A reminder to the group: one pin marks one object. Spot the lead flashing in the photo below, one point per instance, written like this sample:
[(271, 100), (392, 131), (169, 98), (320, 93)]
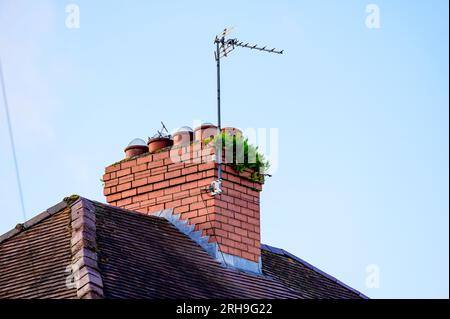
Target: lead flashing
[(211, 248)]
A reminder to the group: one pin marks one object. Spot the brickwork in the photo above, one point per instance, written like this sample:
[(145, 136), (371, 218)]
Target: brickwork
[(179, 178)]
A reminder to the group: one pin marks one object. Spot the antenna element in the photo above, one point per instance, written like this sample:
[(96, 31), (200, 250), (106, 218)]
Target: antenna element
[(224, 47)]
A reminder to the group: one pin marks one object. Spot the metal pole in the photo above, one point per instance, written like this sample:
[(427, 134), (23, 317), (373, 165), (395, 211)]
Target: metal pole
[(227, 46), (219, 126)]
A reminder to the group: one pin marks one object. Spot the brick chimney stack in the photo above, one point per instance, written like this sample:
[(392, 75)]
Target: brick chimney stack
[(178, 178)]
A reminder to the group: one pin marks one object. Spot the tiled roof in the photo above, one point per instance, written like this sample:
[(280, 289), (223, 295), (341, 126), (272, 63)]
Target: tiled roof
[(304, 277), (34, 257), (140, 256), (147, 257)]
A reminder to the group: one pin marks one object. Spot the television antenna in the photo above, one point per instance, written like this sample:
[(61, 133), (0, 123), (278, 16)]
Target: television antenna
[(224, 46)]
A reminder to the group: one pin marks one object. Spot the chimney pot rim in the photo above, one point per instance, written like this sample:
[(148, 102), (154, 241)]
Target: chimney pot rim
[(144, 147), (136, 143), (158, 138)]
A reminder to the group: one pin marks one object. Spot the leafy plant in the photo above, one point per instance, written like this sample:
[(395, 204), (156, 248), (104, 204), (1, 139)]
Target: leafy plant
[(71, 199), (241, 155)]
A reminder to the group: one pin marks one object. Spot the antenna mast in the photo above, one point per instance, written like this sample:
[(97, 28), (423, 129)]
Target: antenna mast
[(223, 47)]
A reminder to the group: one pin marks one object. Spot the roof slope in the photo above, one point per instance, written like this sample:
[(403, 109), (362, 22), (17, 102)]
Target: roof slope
[(140, 256), (303, 277), (33, 262), (147, 257)]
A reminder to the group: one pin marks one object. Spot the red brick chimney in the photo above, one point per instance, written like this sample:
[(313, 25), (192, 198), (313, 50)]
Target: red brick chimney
[(178, 178)]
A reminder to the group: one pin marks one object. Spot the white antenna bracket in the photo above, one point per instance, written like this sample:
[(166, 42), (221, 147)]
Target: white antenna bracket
[(215, 187)]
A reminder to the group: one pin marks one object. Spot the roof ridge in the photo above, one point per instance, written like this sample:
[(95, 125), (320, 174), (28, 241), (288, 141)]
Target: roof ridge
[(35, 220), (88, 279), (280, 251), (65, 203)]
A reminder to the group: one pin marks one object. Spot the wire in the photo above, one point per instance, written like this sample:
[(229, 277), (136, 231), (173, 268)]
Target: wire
[(13, 147), (19, 184)]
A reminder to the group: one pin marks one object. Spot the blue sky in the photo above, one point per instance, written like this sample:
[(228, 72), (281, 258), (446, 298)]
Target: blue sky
[(362, 117)]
